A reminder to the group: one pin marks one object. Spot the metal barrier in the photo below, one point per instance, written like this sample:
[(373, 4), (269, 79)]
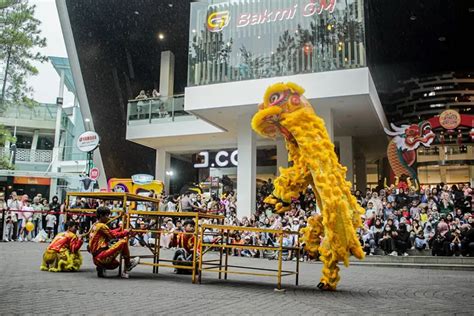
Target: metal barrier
[(224, 235)]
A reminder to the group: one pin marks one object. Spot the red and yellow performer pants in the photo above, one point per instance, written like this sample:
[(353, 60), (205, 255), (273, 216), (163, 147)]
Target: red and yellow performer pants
[(107, 258)]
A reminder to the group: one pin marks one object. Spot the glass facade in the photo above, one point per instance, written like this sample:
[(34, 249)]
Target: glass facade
[(250, 39)]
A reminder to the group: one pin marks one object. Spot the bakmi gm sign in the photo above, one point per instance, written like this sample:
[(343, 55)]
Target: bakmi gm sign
[(218, 20)]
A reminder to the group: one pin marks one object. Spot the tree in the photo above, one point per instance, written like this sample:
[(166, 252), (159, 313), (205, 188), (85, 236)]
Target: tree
[(20, 36), (5, 136)]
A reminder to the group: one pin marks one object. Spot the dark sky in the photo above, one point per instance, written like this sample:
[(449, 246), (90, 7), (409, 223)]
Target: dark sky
[(412, 38)]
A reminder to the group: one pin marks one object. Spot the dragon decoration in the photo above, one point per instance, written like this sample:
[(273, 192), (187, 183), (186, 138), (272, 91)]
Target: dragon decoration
[(332, 234), (401, 150)]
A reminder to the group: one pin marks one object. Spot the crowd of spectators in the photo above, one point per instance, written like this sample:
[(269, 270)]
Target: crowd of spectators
[(439, 219), (18, 210), (396, 220)]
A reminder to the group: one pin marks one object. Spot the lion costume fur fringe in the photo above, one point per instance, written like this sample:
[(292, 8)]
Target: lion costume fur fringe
[(332, 234)]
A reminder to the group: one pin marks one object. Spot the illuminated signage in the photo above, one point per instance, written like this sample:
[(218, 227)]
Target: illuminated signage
[(142, 178), (222, 159), (450, 119), (217, 21), (88, 141)]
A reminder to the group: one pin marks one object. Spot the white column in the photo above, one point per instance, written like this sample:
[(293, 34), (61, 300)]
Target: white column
[(163, 163), (282, 155), (57, 134), (167, 74), (346, 155), (34, 144), (361, 173), (247, 167), (327, 114)]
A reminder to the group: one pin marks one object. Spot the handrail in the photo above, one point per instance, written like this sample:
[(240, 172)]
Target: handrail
[(175, 96)]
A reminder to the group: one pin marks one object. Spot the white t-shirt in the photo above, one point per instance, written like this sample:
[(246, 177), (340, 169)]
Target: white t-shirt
[(50, 220), (27, 212)]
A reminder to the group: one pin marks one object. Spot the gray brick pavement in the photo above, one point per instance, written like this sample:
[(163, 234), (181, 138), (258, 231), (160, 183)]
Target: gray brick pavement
[(362, 290)]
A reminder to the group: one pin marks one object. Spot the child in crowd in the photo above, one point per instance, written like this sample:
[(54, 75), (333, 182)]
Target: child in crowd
[(50, 223)]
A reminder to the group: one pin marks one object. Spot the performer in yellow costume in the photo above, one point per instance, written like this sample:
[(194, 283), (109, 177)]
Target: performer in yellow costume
[(333, 233), (63, 252)]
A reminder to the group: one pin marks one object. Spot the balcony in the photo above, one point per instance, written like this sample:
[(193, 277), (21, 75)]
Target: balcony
[(246, 40), (28, 155), (158, 110), (42, 112)]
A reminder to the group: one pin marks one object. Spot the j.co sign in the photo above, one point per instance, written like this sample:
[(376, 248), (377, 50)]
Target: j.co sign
[(221, 159), (88, 141)]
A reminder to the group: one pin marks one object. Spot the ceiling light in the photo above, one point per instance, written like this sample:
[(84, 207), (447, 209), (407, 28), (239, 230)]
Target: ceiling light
[(136, 13), (471, 10), (170, 5), (432, 94), (194, 31), (259, 37), (441, 38), (437, 105), (413, 17), (87, 120), (161, 36)]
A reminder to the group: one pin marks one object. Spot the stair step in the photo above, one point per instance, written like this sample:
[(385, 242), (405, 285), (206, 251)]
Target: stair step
[(421, 259), (461, 267)]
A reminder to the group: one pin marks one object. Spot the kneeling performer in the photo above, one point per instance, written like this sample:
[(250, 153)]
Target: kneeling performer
[(104, 255), (63, 252), (184, 243)]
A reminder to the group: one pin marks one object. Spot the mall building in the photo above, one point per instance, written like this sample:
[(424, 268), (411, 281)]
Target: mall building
[(44, 158), (203, 67)]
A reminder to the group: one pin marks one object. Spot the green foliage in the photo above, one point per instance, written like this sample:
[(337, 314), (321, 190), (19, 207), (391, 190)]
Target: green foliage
[(5, 135), (20, 37)]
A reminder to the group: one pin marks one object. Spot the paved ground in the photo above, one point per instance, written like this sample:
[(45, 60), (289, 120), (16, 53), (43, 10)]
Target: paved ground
[(363, 290)]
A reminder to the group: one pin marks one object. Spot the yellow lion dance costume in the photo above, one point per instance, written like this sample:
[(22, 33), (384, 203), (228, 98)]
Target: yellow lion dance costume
[(333, 233), (63, 254)]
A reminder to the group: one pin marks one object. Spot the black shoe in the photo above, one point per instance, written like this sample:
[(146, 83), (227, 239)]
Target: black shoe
[(100, 272)]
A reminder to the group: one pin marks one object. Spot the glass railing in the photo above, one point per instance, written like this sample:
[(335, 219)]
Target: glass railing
[(237, 40), (42, 112), (158, 110)]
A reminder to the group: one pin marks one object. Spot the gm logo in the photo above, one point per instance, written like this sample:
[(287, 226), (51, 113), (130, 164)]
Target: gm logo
[(217, 21)]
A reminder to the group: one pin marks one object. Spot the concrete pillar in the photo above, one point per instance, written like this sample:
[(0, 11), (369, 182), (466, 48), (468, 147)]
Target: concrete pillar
[(247, 167), (327, 114), (443, 173), (346, 153), (361, 173), (57, 134), (167, 74), (282, 155), (34, 145), (163, 163)]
